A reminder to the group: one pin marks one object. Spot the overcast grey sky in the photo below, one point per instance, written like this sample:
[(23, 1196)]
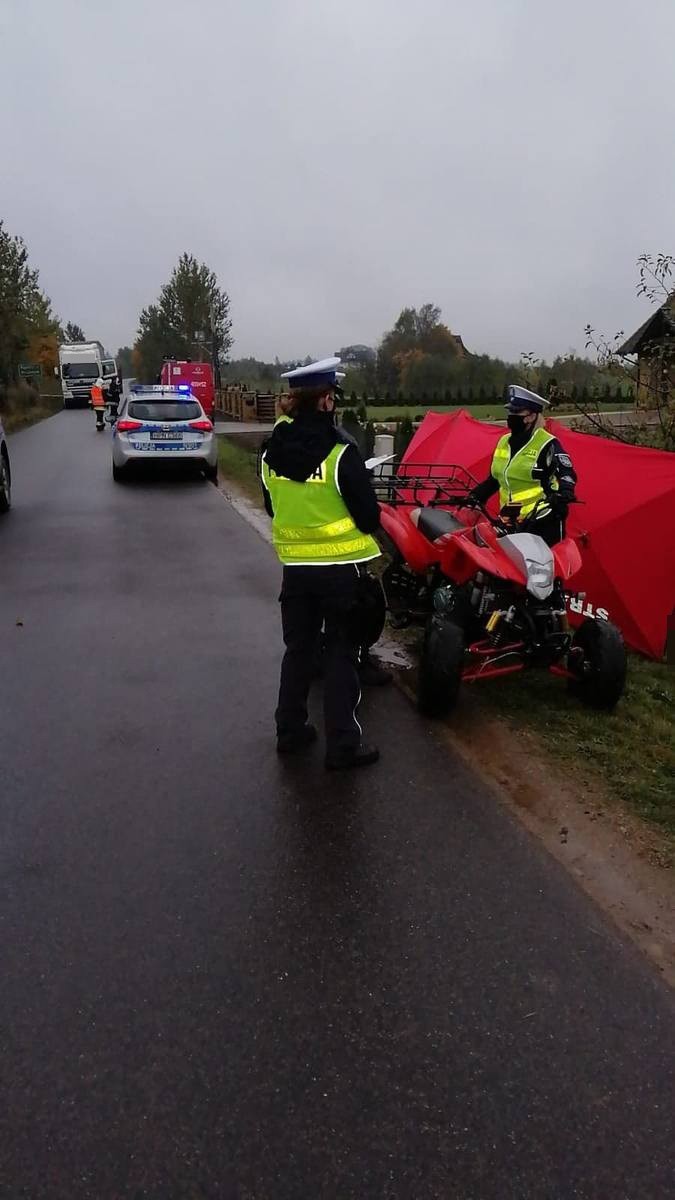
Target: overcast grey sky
[(335, 160)]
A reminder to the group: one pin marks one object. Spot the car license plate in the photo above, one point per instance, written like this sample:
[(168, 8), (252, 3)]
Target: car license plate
[(165, 435)]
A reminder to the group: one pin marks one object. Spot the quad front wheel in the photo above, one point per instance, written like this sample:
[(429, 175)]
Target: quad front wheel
[(440, 670), (5, 485), (372, 609), (597, 661)]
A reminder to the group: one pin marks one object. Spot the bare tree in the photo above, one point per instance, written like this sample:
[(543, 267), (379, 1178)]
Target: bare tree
[(646, 360)]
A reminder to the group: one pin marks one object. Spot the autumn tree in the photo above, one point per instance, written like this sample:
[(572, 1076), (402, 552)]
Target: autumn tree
[(190, 319), (43, 348), (417, 335), (25, 312), (358, 356)]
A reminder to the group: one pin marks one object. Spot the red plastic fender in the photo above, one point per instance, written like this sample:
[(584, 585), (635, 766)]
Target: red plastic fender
[(567, 558), (463, 557), (418, 552)]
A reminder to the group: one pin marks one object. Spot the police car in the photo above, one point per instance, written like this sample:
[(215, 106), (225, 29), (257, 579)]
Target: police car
[(163, 424), (5, 475)]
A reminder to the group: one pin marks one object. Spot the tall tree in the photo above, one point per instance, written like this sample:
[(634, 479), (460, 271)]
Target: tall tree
[(24, 310), (74, 333), (190, 319), (124, 360)]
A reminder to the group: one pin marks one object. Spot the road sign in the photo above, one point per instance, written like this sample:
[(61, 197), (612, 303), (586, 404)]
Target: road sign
[(26, 370)]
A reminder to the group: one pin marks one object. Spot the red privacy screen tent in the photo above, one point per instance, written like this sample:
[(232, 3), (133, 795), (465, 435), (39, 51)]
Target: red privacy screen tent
[(625, 526)]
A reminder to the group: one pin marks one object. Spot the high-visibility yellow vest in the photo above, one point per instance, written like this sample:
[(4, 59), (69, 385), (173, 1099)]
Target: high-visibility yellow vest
[(517, 483), (312, 525)]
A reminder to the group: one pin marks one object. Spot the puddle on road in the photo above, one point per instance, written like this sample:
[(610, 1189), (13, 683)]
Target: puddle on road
[(392, 653)]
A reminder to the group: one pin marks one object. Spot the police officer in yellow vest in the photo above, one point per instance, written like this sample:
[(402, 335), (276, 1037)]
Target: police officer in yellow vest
[(534, 476), (371, 673), (324, 514)]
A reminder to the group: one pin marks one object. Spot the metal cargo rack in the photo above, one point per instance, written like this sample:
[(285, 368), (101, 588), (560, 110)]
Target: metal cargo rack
[(419, 484)]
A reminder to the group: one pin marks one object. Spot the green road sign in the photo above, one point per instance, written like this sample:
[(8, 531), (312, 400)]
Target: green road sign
[(26, 370)]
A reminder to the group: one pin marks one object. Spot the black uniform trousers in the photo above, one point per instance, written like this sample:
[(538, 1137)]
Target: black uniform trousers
[(551, 528), (312, 597)]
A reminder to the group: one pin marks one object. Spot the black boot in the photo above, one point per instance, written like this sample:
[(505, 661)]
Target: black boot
[(293, 743), (360, 756)]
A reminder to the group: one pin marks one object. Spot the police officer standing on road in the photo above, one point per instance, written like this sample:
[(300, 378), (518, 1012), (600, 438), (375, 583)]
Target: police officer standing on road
[(530, 470), (114, 392), (324, 514), (371, 673)]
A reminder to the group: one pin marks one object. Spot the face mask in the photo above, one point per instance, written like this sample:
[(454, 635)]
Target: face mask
[(516, 424)]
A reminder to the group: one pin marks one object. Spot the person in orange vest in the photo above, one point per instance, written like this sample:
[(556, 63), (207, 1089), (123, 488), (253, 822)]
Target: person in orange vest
[(98, 402)]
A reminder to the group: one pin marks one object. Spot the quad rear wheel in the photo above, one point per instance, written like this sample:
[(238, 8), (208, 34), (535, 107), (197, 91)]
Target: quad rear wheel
[(440, 669), (598, 662)]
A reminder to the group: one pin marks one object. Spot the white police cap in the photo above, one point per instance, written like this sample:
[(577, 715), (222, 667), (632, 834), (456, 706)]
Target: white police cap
[(316, 374), (518, 398)]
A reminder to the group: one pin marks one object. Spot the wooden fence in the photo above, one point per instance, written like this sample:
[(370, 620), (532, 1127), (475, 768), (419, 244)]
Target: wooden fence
[(239, 404)]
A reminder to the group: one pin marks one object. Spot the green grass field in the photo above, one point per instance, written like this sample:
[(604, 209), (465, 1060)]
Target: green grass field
[(483, 412)]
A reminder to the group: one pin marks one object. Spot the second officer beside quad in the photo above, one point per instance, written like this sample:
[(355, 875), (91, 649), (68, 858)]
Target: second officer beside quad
[(534, 476)]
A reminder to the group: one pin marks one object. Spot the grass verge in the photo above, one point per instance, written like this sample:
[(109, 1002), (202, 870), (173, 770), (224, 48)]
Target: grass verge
[(631, 751), (16, 419), (238, 464)]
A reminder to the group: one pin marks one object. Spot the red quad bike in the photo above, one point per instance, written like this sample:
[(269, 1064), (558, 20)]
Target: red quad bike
[(492, 601)]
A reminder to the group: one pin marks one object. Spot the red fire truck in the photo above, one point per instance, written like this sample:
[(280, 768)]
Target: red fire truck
[(198, 374)]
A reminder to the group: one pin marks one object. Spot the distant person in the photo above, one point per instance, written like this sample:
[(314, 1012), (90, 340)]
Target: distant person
[(114, 395), (98, 402), (534, 476)]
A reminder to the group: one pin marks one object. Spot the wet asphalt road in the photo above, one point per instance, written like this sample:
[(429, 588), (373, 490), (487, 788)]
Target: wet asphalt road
[(225, 975)]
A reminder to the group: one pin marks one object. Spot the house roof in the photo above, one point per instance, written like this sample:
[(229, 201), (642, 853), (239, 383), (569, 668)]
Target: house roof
[(650, 329)]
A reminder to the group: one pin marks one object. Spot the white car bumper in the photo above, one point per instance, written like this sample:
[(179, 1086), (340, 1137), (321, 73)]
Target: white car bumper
[(193, 448)]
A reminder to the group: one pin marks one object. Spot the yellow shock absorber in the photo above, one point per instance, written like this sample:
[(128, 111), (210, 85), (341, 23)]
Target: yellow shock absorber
[(493, 621)]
